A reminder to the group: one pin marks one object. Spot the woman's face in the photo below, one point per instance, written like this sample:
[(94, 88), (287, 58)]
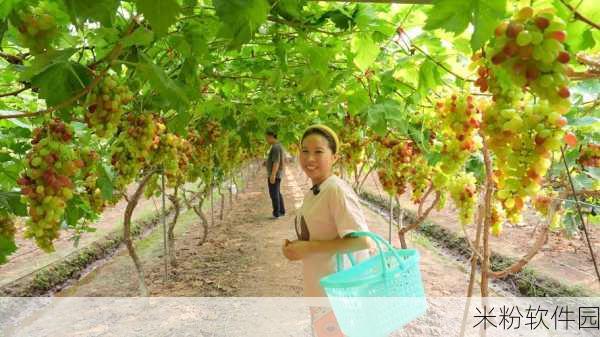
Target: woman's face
[(316, 158)]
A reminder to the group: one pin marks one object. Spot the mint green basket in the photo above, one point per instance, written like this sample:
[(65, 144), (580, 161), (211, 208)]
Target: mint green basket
[(379, 295)]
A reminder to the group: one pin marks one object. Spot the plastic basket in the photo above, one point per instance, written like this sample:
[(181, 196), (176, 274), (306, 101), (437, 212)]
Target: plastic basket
[(379, 295)]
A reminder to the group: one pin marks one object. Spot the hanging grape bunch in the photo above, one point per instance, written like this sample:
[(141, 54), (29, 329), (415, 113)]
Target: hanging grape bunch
[(530, 48), (542, 204), (407, 166), (92, 194), (131, 151), (105, 106), (352, 149), (462, 189), (590, 155), (172, 155), (37, 28), (46, 183), (523, 141), (7, 226), (497, 219), (459, 120)]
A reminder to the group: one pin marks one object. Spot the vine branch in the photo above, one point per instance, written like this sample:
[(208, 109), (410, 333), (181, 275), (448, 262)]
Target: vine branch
[(579, 16)]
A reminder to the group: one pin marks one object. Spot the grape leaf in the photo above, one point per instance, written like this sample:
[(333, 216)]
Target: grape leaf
[(61, 81), (6, 6), (455, 16), (178, 123), (161, 82), (366, 51), (241, 18), (429, 77), (140, 37), (11, 202), (7, 247), (98, 10), (290, 8), (105, 181), (487, 14), (160, 13), (451, 15)]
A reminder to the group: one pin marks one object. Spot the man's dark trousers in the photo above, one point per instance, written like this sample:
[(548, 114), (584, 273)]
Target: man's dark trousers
[(276, 197)]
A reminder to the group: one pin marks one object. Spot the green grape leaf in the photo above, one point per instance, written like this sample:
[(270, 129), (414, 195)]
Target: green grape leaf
[(290, 8), (487, 14), (73, 212), (6, 6), (241, 18), (7, 247), (11, 202), (366, 51), (429, 77), (105, 180), (160, 13), (162, 82), (451, 15), (140, 37), (61, 81), (455, 16), (179, 122), (98, 10)]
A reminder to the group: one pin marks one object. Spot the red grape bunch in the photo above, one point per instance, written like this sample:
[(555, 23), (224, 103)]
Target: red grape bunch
[(530, 49), (46, 183)]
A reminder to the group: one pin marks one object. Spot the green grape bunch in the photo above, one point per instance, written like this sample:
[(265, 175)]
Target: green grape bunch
[(105, 106), (37, 27), (530, 49), (132, 149), (47, 181), (523, 140)]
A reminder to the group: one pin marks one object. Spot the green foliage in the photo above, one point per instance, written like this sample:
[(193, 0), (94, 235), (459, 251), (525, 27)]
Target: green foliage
[(160, 13)]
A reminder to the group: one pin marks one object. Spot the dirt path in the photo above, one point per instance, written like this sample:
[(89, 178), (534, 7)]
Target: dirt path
[(242, 256)]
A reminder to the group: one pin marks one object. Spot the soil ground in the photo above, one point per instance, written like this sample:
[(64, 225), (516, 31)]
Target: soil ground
[(242, 255)]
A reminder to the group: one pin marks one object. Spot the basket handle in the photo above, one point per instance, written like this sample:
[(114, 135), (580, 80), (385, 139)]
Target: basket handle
[(379, 240)]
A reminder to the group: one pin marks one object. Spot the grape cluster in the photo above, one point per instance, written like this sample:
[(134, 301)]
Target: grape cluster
[(530, 49), (522, 141), (352, 149), (590, 155), (46, 183), (172, 155), (200, 156), (542, 204), (497, 219), (7, 226), (105, 106), (131, 151), (407, 166), (462, 189), (459, 119), (92, 194), (37, 28)]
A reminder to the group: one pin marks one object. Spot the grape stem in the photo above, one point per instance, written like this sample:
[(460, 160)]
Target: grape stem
[(579, 16), (487, 221), (16, 92), (578, 207)]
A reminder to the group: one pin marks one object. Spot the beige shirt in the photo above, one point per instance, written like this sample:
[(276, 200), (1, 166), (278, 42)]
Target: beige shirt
[(333, 213)]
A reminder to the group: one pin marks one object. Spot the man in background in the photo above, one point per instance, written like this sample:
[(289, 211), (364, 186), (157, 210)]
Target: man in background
[(274, 166)]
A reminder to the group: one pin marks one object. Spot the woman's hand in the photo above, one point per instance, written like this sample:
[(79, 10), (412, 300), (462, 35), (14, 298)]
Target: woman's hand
[(296, 250)]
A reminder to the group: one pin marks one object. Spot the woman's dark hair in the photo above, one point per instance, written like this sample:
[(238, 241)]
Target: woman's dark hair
[(271, 133), (326, 135)]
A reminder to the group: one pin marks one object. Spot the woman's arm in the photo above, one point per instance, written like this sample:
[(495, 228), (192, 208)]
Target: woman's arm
[(298, 250)]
